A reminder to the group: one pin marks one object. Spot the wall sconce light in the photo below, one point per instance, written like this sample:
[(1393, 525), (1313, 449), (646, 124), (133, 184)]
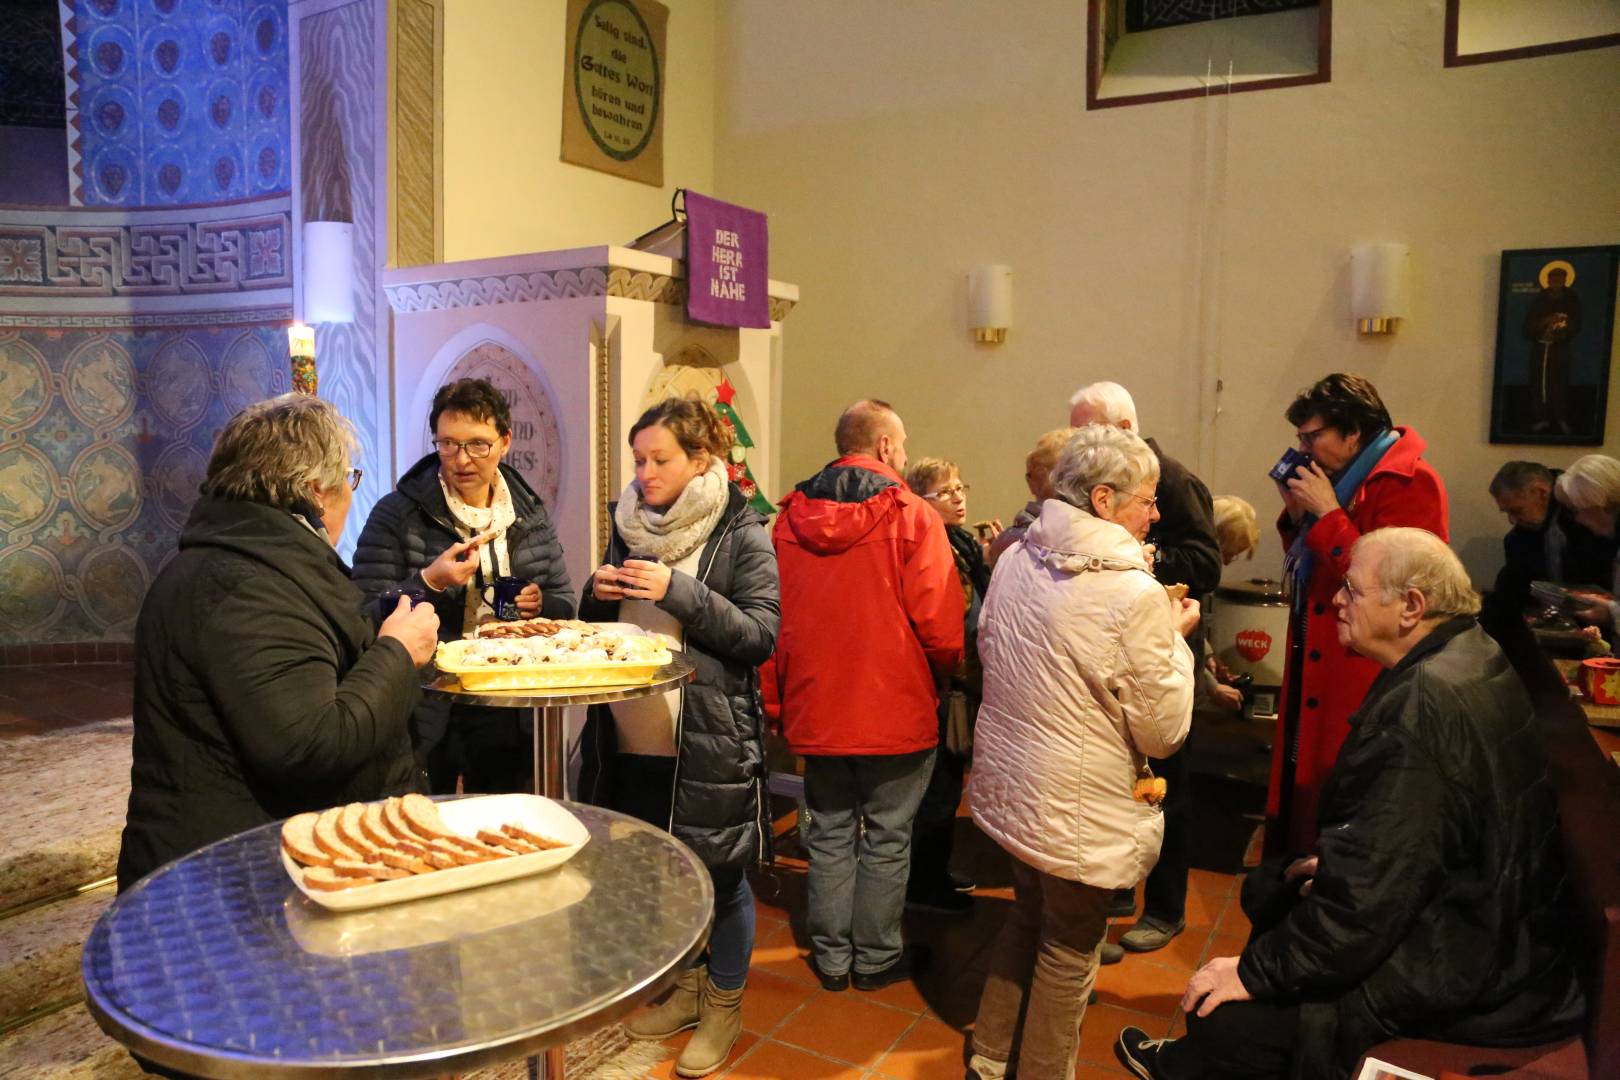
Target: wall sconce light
[(1379, 280), (328, 293), (301, 352), (328, 272), (990, 303)]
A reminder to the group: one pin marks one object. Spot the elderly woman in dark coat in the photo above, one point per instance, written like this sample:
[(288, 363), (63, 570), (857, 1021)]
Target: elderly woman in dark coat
[(423, 537), (690, 561), (260, 689)]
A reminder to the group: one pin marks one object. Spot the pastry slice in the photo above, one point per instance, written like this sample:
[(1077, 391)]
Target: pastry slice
[(326, 836), (400, 860), (399, 825), (350, 832), (298, 840), (510, 843), (543, 843), (327, 879), (373, 828), (422, 816)]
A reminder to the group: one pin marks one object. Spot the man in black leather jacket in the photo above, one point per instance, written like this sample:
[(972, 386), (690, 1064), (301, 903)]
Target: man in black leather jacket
[(1432, 907)]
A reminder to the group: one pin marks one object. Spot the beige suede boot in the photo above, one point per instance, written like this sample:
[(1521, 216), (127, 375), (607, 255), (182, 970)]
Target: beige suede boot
[(675, 1013), (719, 1025)]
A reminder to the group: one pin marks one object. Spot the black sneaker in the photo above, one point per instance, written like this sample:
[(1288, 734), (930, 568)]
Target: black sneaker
[(959, 883), (913, 959), (1138, 1053), (940, 901), (834, 983)]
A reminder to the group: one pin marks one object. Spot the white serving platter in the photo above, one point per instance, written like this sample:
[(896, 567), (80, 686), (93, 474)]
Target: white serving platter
[(466, 816)]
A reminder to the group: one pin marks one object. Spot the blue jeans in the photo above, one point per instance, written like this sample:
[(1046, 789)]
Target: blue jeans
[(859, 841), (731, 943), (646, 785)]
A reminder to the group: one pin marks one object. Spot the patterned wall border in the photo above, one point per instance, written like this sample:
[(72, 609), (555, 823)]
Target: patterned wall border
[(174, 320), (553, 285), (60, 255)]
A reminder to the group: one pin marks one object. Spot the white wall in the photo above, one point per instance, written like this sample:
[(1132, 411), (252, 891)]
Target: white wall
[(506, 191), (1169, 246)]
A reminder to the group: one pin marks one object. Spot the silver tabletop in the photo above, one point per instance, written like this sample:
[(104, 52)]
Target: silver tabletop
[(546, 709), (216, 965)]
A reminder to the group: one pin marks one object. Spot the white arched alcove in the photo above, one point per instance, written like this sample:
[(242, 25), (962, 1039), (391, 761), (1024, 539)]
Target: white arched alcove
[(413, 435)]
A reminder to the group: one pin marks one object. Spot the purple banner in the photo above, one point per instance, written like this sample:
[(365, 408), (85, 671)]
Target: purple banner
[(726, 250)]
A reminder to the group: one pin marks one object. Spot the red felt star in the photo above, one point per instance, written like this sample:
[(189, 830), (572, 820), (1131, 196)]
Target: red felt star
[(725, 392)]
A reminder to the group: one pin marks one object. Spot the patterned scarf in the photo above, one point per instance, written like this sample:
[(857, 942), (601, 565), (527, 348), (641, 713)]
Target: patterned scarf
[(494, 560), (671, 535)]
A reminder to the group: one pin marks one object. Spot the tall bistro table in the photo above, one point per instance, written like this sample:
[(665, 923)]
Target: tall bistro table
[(215, 965), (546, 709)]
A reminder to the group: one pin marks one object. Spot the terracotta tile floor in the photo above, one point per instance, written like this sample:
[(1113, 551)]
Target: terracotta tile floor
[(916, 1030), (794, 1030)]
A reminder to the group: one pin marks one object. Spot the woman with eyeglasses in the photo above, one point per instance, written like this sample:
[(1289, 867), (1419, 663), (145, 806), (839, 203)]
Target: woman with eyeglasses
[(931, 886), (1087, 675), (261, 690), (424, 537), (1364, 473)]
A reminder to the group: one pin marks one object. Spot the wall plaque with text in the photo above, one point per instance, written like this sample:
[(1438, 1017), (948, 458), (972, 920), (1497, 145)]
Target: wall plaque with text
[(613, 88)]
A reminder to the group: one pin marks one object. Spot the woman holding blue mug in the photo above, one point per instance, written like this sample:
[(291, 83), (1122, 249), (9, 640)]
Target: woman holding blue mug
[(690, 561), (459, 527)]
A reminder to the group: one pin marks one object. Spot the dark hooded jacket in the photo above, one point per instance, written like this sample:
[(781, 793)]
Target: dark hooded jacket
[(411, 526), (261, 690), (872, 613), (728, 613), (1437, 904)]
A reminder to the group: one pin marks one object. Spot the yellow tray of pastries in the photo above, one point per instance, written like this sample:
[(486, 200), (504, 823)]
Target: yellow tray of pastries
[(541, 654)]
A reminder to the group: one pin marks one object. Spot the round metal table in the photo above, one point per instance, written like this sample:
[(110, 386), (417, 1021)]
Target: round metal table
[(216, 965), (546, 710)]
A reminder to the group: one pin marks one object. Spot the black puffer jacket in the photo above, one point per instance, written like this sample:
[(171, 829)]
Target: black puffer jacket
[(1436, 909), (411, 526), (729, 614), (261, 690)]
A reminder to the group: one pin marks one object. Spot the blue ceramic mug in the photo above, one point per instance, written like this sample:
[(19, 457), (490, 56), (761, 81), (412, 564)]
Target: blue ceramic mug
[(388, 599), (502, 596)]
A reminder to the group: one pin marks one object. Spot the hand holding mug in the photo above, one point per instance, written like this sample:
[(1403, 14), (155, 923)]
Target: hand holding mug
[(1313, 490), (415, 626), (605, 583), (644, 579), (528, 601)]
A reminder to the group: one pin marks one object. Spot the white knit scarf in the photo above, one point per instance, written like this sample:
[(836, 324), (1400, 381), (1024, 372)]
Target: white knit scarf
[(671, 535)]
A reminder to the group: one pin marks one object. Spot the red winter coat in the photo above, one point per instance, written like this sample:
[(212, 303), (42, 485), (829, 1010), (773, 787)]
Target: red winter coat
[(871, 609), (1401, 490)]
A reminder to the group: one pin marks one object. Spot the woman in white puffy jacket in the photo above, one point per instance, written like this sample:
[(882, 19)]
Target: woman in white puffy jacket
[(1086, 676)]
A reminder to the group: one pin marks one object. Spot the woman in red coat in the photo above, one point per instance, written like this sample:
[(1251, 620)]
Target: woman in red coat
[(1365, 473)]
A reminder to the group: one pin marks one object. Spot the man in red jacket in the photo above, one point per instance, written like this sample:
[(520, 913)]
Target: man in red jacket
[(871, 617)]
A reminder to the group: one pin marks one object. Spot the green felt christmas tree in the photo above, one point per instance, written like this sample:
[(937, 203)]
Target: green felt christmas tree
[(737, 467)]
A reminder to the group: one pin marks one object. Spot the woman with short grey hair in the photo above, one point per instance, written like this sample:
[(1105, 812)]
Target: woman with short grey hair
[(1591, 489), (1086, 677), (261, 690), (1099, 455)]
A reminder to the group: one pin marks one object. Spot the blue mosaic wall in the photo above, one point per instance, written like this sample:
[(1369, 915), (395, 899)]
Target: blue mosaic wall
[(177, 102), (104, 438)]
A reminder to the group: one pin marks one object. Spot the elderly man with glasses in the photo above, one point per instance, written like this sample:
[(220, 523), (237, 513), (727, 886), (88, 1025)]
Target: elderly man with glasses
[(460, 519), (1184, 550), (1431, 907), (1363, 473)]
